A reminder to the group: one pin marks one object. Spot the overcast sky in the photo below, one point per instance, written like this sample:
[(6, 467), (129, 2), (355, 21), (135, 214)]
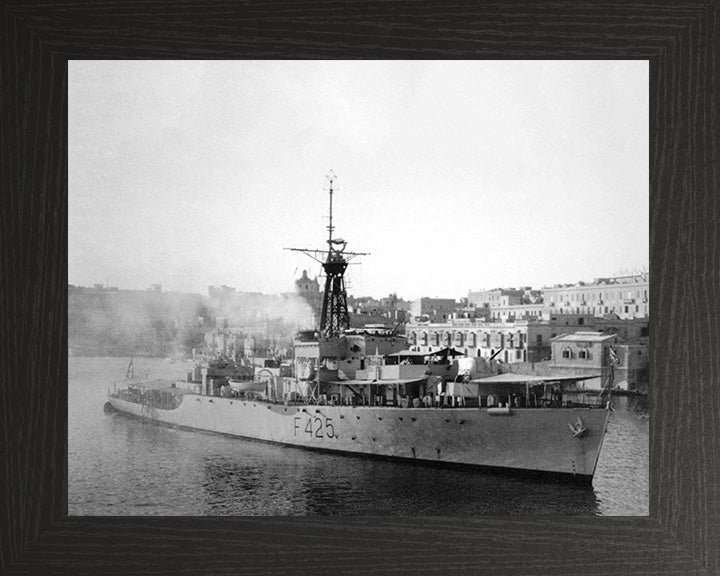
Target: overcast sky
[(455, 176)]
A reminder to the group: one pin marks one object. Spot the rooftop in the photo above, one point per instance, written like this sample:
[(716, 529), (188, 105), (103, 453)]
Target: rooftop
[(584, 337)]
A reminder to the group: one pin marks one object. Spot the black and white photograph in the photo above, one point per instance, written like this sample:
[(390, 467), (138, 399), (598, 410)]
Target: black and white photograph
[(358, 288)]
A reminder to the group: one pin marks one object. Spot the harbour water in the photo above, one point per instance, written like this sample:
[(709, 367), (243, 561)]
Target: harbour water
[(119, 466)]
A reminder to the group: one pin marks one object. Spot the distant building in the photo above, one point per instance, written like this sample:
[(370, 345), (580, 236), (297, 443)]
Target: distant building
[(391, 308), (97, 288), (497, 297), (510, 343), (518, 312), (304, 285), (221, 292), (309, 290), (590, 353), (508, 304), (582, 350), (433, 309), (625, 296), (520, 341), (584, 353)]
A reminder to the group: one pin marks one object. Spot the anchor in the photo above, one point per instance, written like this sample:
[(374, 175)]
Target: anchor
[(578, 429)]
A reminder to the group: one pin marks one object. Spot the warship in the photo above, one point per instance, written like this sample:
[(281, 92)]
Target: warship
[(362, 392)]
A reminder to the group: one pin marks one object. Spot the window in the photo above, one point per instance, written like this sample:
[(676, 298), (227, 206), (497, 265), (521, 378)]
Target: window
[(566, 353), (583, 354)]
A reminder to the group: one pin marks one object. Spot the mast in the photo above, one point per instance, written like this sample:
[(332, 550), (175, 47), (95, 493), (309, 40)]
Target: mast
[(330, 177), (335, 317)]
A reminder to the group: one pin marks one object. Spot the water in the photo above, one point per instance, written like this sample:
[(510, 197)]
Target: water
[(120, 466)]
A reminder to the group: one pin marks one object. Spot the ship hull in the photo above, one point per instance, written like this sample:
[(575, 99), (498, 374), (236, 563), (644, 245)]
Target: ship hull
[(537, 440)]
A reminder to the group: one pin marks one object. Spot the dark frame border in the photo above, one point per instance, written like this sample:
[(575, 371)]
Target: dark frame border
[(680, 40)]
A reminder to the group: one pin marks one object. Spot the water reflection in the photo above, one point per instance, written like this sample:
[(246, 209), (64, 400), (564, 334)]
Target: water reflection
[(291, 481)]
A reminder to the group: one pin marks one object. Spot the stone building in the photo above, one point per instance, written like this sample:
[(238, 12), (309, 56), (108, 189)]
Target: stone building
[(625, 296), (520, 341), (390, 308), (506, 342), (309, 290), (497, 297), (508, 304), (433, 309), (590, 353)]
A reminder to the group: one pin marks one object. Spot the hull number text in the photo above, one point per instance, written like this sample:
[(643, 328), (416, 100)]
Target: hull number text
[(313, 427)]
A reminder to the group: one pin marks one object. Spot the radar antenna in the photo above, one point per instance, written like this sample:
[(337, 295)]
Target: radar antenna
[(335, 316)]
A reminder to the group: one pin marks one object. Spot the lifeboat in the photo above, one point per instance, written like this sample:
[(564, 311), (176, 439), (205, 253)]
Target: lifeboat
[(246, 385)]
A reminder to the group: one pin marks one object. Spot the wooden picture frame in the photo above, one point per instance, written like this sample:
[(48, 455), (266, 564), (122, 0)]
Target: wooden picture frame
[(681, 42)]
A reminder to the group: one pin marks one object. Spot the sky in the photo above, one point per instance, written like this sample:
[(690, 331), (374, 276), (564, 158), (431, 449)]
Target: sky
[(453, 175)]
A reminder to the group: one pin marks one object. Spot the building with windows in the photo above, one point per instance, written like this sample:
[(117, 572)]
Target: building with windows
[(433, 309), (625, 296), (304, 285), (391, 308), (618, 363), (514, 313), (508, 304), (497, 297), (526, 341), (582, 350), (520, 341)]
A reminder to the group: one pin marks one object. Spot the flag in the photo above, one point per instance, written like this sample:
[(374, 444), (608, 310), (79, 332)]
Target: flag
[(129, 373), (613, 357)]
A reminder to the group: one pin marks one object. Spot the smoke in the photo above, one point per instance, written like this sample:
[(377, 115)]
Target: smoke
[(252, 311), (111, 322), (127, 322)]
